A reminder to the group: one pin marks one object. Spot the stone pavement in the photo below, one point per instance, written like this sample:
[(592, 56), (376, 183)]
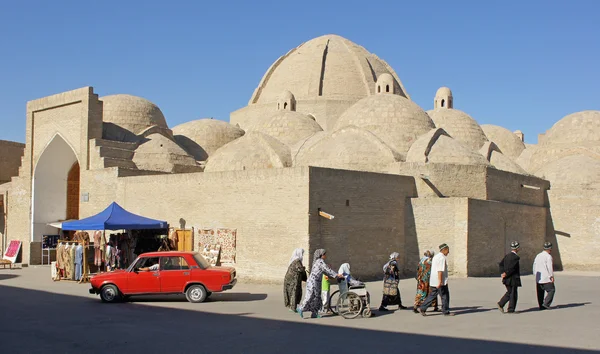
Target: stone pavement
[(38, 315)]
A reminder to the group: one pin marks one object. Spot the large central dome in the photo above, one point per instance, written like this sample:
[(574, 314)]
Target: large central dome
[(330, 67)]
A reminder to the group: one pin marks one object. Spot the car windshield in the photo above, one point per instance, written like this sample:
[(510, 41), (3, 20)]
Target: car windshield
[(202, 262)]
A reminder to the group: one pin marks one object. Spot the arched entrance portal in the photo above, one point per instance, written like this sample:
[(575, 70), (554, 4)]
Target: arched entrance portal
[(55, 188)]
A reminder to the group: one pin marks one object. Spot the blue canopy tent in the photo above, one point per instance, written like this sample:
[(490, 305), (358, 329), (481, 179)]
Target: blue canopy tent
[(114, 217)]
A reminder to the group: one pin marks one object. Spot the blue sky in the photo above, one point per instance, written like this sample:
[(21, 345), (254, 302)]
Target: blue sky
[(519, 64)]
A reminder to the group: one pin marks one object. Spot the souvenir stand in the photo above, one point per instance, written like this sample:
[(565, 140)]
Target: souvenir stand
[(67, 270), (114, 218)]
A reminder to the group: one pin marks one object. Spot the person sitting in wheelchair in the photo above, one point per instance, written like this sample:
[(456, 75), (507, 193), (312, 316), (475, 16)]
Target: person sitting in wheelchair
[(347, 281)]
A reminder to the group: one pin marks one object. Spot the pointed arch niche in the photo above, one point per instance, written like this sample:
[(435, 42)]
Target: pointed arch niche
[(55, 187)]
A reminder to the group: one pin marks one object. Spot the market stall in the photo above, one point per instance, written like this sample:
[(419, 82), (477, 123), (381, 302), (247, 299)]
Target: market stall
[(139, 234)]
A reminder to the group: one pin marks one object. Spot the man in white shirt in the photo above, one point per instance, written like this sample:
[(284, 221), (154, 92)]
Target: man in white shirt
[(438, 282), (544, 277)]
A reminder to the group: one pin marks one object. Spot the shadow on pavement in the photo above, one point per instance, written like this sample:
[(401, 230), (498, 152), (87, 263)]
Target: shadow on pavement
[(557, 307), (223, 297), (41, 322), (7, 276)]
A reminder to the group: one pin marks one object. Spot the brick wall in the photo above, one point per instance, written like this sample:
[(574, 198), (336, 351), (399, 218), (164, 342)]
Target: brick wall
[(369, 217), (494, 225)]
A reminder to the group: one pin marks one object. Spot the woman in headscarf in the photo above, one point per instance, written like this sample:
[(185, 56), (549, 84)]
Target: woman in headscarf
[(347, 279), (423, 274), (292, 284), (391, 278), (312, 301)]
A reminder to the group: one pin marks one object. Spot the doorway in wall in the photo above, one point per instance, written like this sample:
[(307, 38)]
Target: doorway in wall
[(55, 191)]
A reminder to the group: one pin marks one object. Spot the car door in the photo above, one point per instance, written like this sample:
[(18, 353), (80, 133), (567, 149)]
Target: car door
[(174, 274), (143, 281)]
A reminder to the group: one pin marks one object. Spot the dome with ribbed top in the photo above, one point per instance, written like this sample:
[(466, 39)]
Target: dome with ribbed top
[(330, 67), (132, 113), (289, 127), (394, 119), (252, 151), (576, 128), (201, 138), (506, 140), (460, 126)]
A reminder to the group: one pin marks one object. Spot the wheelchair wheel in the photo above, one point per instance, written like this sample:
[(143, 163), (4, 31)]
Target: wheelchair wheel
[(349, 305), (366, 313), (333, 300)]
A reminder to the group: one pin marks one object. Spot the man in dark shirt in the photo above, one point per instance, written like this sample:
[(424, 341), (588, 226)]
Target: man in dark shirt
[(511, 278)]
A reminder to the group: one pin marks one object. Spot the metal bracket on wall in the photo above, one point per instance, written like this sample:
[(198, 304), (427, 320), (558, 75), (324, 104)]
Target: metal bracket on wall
[(325, 215)]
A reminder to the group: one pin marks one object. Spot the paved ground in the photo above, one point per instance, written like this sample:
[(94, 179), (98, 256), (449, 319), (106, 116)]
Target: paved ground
[(38, 315)]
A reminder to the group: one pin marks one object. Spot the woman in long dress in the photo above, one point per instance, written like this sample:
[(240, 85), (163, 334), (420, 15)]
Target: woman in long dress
[(423, 275), (292, 284), (391, 292), (312, 301)]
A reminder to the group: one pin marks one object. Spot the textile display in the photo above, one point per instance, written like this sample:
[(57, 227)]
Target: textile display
[(224, 237), (205, 237), (227, 238), (211, 253), (12, 251)]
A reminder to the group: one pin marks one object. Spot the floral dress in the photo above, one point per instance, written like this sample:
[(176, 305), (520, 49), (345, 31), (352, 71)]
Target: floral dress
[(292, 284), (423, 275), (312, 301)]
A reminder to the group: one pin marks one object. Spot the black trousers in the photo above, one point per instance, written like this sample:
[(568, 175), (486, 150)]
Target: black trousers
[(391, 300), (548, 288), (511, 296), (444, 292)]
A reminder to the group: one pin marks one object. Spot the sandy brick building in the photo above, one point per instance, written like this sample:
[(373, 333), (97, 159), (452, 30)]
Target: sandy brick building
[(330, 128)]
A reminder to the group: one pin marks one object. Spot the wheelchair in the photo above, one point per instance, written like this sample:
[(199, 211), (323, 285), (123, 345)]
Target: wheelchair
[(353, 302)]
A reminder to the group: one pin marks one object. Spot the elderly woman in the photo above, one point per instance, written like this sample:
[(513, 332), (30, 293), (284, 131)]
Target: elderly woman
[(292, 284), (423, 274), (391, 293), (312, 301)]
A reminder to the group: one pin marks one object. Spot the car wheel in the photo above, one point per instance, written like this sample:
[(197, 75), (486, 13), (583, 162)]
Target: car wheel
[(196, 293), (109, 293)]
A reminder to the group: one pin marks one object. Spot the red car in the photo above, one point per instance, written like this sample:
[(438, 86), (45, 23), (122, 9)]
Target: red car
[(161, 273)]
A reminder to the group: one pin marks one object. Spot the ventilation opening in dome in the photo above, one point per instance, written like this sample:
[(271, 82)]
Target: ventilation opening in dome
[(285, 105), (443, 103), (387, 88)]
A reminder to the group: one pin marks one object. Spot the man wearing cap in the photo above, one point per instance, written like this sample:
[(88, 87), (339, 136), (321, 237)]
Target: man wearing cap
[(511, 278), (438, 282), (544, 277)]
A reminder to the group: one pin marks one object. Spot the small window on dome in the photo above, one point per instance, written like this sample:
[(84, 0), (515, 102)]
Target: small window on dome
[(285, 105), (378, 89), (278, 107), (387, 88), (443, 101)]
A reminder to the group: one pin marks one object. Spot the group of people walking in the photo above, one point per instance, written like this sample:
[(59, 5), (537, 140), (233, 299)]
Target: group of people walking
[(431, 276)]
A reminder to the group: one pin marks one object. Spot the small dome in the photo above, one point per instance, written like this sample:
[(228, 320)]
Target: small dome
[(252, 151), (436, 146), (132, 113), (443, 91), (507, 141), (576, 128), (460, 126), (573, 170), (289, 127), (201, 138), (159, 153), (327, 67), (500, 161), (348, 148), (394, 119)]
